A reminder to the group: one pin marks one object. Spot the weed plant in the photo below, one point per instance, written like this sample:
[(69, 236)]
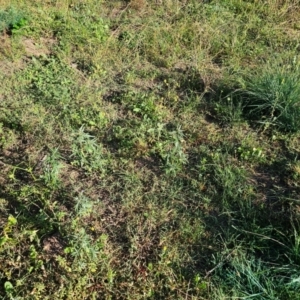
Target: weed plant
[(12, 19)]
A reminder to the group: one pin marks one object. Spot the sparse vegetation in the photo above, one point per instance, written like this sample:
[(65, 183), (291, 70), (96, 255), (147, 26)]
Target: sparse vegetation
[(149, 150)]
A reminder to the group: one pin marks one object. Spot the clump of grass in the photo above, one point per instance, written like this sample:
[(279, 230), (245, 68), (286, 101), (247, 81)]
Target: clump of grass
[(272, 96), (12, 19), (245, 277)]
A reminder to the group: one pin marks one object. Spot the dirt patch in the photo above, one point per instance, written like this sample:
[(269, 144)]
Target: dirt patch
[(54, 244), (38, 48), (5, 45), (144, 84), (7, 68), (149, 163), (32, 48), (137, 4)]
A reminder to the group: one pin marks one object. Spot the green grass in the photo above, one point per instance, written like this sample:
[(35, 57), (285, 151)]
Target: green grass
[(272, 97), (149, 150), (11, 20)]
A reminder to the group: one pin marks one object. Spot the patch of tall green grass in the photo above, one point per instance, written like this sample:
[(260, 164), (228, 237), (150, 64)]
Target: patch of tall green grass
[(271, 96)]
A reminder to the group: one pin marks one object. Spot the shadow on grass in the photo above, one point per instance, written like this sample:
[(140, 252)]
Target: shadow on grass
[(242, 213)]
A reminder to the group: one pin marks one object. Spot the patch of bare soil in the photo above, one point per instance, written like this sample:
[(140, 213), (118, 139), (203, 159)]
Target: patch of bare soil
[(275, 189), (144, 84), (5, 44), (137, 4), (149, 163), (38, 48), (7, 68), (32, 49), (54, 244)]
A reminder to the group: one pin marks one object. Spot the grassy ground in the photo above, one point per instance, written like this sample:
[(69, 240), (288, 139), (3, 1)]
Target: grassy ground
[(149, 149)]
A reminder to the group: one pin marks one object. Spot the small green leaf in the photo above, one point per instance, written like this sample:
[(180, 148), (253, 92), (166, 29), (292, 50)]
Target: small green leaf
[(3, 240), (12, 220), (8, 287)]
